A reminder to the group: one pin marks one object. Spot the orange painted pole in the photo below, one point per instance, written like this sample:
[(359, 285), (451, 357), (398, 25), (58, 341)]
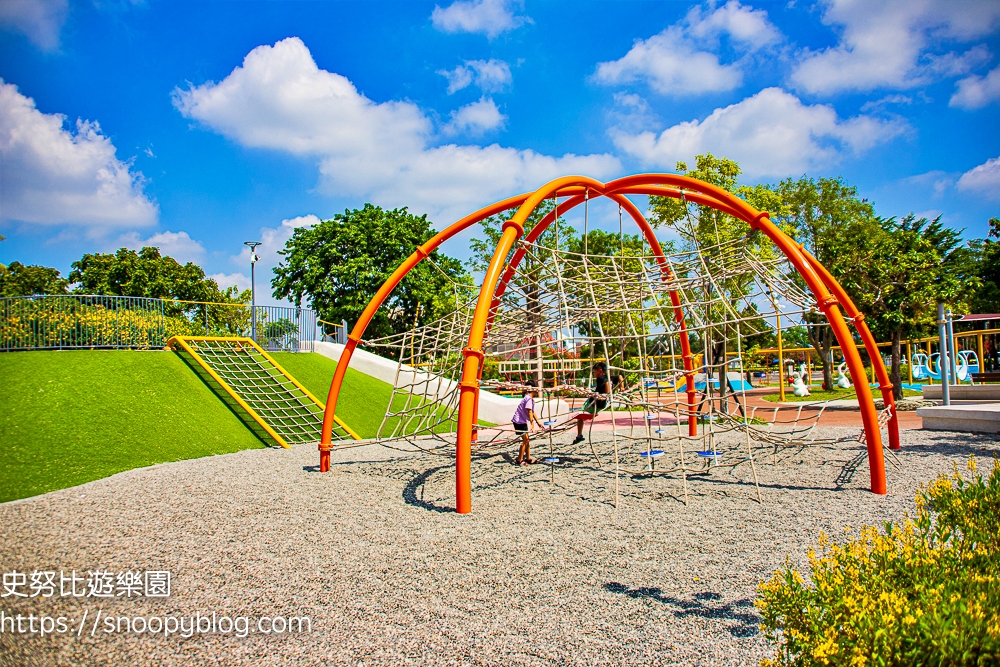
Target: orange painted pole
[(871, 346), (513, 229), (425, 249)]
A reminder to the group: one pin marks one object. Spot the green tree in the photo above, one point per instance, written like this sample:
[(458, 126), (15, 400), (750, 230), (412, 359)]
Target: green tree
[(144, 273), (723, 242), (913, 264), (531, 278), (837, 227), (17, 279), (987, 298), (147, 273), (339, 264)]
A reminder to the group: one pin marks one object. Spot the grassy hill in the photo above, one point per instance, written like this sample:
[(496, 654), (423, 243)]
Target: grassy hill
[(70, 417)]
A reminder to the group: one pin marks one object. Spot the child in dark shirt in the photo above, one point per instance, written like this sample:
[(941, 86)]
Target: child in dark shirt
[(593, 405)]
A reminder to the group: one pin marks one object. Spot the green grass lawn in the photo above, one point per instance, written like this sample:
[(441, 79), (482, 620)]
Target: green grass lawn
[(73, 416), (818, 394)]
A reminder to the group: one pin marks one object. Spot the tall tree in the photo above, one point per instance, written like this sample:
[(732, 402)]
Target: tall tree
[(722, 240), (17, 279), (913, 265), (532, 278), (835, 225), (147, 273), (339, 264), (143, 273), (987, 298)]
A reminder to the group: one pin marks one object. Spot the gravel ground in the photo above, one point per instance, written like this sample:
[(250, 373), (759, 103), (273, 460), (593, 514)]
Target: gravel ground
[(540, 573)]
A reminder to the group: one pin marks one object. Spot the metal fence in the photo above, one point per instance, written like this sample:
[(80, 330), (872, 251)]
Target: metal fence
[(75, 321)]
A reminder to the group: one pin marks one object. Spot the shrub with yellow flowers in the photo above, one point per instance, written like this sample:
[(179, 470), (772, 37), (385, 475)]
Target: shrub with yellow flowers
[(923, 592)]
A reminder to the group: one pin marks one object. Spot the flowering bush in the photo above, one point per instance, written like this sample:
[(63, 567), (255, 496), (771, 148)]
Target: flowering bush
[(926, 592), (66, 322)]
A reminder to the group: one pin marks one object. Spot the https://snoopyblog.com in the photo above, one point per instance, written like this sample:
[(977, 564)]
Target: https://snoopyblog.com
[(104, 586)]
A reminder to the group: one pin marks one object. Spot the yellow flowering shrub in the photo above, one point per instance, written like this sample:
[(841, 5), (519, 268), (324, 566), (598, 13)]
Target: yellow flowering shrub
[(68, 321), (923, 592), (64, 322)]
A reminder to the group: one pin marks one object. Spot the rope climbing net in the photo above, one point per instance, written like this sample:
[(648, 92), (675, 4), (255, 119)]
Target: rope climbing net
[(285, 410), (650, 340), (558, 312)]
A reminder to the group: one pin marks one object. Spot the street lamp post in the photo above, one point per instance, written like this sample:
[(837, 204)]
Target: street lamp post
[(254, 258)]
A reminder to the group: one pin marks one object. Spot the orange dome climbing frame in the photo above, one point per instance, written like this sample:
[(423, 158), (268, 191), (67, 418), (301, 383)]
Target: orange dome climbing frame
[(828, 293)]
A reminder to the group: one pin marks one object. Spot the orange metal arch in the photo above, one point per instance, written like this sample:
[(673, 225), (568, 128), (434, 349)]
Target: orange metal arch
[(353, 338), (819, 281)]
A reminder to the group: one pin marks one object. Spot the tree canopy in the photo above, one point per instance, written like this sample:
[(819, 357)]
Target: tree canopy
[(17, 279), (340, 263), (987, 298), (144, 273)]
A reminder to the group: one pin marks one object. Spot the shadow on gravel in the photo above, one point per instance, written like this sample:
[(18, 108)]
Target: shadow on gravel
[(847, 472), (417, 484), (703, 605)]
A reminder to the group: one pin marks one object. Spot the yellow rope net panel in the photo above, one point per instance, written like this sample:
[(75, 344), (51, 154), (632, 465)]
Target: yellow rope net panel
[(275, 400)]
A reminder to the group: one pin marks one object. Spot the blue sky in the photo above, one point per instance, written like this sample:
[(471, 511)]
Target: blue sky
[(197, 126)]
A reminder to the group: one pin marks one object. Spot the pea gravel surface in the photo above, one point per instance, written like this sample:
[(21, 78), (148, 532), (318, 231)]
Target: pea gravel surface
[(540, 573)]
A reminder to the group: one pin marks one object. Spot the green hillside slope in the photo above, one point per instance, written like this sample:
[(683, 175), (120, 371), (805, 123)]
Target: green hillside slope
[(73, 416), (70, 417), (362, 399)]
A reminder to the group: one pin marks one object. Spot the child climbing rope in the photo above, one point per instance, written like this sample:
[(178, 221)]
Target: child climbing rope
[(593, 405), (523, 418)]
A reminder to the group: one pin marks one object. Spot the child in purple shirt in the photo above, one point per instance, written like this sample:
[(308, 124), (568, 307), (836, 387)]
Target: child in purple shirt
[(523, 418)]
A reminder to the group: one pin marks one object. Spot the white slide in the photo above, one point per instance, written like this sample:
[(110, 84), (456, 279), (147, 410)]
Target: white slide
[(492, 408)]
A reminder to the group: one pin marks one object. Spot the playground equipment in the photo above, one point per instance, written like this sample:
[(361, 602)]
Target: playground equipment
[(842, 381), (272, 398), (968, 363), (716, 290)]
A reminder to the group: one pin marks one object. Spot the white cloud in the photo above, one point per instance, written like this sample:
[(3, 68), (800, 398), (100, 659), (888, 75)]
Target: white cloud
[(178, 245), (227, 280), (876, 105), (273, 239), (749, 27), (681, 60), (476, 118), (770, 134), (631, 113), (279, 99), (40, 20), (492, 76), (51, 175), (487, 17), (984, 179), (887, 44), (940, 181), (975, 92)]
